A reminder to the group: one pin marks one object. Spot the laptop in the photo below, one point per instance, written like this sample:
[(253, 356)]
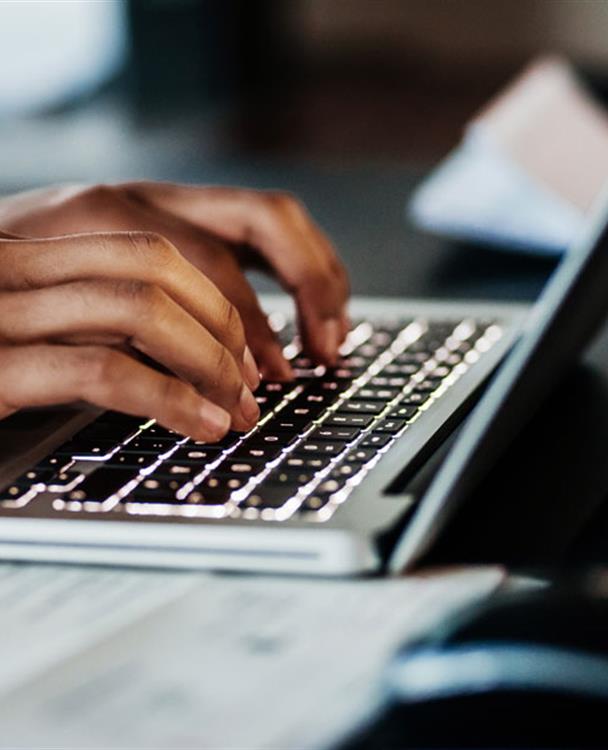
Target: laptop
[(320, 485)]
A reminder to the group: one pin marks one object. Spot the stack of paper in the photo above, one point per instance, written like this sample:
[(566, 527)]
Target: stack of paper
[(114, 659), (528, 170)]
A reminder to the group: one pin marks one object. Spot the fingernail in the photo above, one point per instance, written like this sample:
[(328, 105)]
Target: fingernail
[(215, 418), (252, 373), (276, 367), (249, 406), (331, 338)]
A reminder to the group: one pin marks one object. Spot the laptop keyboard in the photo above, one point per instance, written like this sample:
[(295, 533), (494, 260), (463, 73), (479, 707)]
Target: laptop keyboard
[(316, 440)]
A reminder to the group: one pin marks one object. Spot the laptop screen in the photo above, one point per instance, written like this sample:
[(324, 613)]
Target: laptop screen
[(571, 307)]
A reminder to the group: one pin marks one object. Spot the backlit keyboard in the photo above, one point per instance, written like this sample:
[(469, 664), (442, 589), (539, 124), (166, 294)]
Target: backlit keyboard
[(317, 437)]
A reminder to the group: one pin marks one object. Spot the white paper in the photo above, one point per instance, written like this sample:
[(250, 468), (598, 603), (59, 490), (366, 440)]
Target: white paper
[(233, 662), (529, 169), (477, 194), (50, 612)]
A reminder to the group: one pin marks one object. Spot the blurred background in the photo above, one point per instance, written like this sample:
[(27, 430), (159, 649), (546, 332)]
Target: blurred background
[(99, 89), (269, 92)]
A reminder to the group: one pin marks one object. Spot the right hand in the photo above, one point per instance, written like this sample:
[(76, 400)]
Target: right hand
[(75, 311)]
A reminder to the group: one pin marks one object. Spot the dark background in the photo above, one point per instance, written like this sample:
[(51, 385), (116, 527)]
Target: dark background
[(347, 103)]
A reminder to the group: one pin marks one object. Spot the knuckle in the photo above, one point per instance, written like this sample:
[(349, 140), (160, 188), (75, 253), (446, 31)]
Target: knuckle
[(232, 325), (9, 374), (140, 296), (96, 369), (283, 203), (225, 375), (96, 196), (318, 281), (170, 394), (152, 249)]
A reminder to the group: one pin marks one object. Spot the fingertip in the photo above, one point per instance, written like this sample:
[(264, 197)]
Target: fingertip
[(215, 421), (330, 338), (277, 368), (273, 365), (250, 409), (251, 369)]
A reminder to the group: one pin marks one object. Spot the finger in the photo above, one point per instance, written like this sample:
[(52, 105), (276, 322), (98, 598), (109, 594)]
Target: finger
[(141, 315), (142, 256), (260, 337), (43, 375), (279, 227)]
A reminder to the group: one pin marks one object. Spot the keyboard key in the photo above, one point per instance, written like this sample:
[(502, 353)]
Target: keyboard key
[(360, 455), (155, 489), (291, 478), (314, 502), (376, 441), (428, 385), (308, 463), (156, 446), (392, 381), (321, 448), (325, 385), (226, 442), (157, 432), (35, 477), (200, 496), (320, 399), (17, 495), (441, 371), (269, 395), (196, 455), (102, 484), (332, 432), (414, 399), (272, 436), (289, 425), (403, 411), (332, 484), (57, 463), (64, 481), (346, 470), (448, 358), (409, 362), (246, 469), (181, 472), (345, 374), (349, 420), (132, 460), (87, 449), (309, 412), (376, 393), (390, 426), (269, 496), (221, 483), (361, 407), (262, 452)]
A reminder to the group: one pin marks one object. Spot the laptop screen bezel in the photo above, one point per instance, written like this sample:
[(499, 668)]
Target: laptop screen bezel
[(568, 312)]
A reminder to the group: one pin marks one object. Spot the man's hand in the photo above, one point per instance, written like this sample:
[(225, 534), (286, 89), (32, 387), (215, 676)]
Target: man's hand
[(75, 311), (221, 231)]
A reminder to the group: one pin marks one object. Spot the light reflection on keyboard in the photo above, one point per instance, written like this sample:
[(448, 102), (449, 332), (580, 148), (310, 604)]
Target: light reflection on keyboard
[(316, 439)]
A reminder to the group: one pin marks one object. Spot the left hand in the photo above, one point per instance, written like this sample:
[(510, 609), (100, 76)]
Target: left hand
[(222, 231)]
